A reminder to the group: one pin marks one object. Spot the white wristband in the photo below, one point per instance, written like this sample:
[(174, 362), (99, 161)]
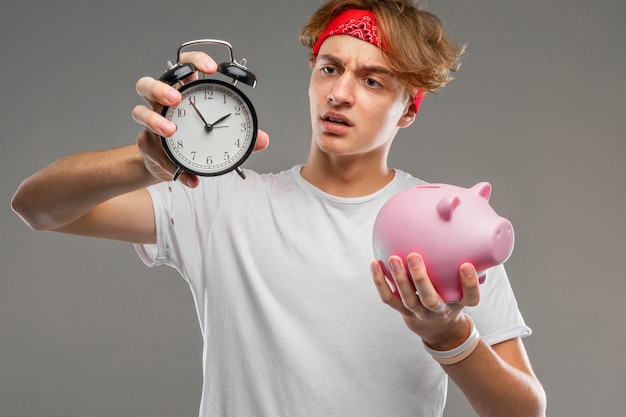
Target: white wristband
[(449, 357)]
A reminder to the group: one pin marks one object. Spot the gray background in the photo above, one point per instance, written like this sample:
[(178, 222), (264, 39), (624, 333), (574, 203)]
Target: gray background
[(537, 109)]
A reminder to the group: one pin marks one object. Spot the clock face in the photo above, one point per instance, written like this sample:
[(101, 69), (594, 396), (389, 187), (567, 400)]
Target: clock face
[(216, 127)]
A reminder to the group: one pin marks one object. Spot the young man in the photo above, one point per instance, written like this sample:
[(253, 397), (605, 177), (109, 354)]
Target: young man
[(278, 263)]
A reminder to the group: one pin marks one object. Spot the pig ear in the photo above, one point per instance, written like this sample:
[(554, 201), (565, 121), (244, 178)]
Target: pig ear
[(446, 206), (483, 189)]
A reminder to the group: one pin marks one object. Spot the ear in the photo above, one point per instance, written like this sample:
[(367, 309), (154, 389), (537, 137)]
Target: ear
[(409, 115), (483, 189), (446, 206)]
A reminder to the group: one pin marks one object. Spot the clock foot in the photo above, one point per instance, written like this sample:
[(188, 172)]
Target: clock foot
[(177, 174)]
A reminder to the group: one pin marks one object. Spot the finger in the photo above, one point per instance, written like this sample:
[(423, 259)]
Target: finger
[(469, 284), (404, 283), (203, 62), (428, 295), (262, 141), (385, 292), (153, 121), (190, 180), (157, 93)]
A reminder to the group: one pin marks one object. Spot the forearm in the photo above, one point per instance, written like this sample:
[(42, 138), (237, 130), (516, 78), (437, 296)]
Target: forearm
[(71, 186), (495, 387)]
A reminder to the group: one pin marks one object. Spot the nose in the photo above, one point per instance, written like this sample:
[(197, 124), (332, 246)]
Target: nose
[(342, 91), (503, 241)]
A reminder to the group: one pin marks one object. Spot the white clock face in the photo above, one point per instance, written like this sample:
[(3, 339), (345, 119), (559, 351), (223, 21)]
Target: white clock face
[(215, 128)]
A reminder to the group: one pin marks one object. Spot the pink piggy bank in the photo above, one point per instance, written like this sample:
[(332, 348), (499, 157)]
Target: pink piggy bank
[(447, 225)]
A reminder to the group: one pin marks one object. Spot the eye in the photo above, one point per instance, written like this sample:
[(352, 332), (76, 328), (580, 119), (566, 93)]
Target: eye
[(370, 82), (328, 70)]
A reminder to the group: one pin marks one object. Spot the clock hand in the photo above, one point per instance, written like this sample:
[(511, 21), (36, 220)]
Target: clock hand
[(208, 127), (221, 119)]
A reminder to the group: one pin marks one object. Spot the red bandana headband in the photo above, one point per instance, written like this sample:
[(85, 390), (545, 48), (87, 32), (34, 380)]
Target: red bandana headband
[(358, 23), (362, 25)]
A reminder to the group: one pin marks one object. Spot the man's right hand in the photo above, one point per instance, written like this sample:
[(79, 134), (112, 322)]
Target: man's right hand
[(157, 95)]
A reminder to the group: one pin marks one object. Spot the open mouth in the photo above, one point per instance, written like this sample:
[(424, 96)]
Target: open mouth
[(336, 120), (341, 122)]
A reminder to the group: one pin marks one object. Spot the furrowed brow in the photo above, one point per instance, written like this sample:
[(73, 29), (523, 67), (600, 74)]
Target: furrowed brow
[(331, 59), (365, 68)]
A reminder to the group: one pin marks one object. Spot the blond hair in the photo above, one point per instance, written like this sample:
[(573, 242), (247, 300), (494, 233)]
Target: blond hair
[(418, 50)]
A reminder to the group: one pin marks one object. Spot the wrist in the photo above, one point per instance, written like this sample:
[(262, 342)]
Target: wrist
[(137, 171), (450, 336), (455, 350)]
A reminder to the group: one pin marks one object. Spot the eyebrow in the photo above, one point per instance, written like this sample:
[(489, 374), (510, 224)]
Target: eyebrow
[(367, 68)]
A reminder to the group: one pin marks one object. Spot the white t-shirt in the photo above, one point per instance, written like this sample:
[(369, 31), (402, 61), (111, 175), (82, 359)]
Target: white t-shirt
[(291, 320)]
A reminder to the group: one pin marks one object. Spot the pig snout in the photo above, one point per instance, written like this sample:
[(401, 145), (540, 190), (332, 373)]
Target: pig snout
[(502, 241)]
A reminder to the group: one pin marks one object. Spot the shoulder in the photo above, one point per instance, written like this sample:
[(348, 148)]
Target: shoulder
[(403, 180)]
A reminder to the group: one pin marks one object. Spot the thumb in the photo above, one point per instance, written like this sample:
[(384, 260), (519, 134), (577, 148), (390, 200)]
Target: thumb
[(262, 141)]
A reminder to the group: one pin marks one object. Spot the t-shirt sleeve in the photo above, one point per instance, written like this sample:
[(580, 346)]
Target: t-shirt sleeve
[(181, 215), (155, 254)]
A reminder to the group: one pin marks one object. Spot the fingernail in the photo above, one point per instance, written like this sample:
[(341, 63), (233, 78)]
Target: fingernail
[(166, 126), (467, 271), (208, 64), (394, 265), (172, 96), (414, 261)]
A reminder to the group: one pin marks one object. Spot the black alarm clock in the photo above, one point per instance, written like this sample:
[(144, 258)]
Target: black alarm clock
[(216, 124)]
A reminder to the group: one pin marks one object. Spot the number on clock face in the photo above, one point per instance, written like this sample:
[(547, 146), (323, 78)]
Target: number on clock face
[(215, 128)]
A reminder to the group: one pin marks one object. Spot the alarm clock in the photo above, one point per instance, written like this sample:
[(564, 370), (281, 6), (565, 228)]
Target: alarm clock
[(216, 124)]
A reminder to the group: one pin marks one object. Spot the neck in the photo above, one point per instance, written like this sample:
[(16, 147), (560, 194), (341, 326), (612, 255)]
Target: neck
[(347, 176)]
